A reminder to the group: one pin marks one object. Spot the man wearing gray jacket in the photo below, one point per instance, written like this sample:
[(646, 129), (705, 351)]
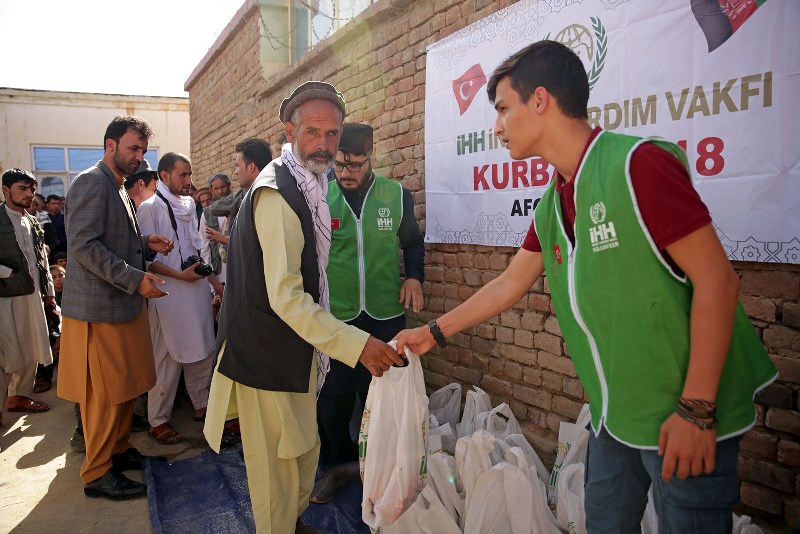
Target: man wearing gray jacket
[(106, 354)]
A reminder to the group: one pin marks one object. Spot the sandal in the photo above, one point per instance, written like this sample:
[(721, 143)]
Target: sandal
[(164, 433), (199, 415), (41, 385), (25, 404)]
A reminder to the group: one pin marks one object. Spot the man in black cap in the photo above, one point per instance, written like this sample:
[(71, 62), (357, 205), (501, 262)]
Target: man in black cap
[(365, 285), (275, 330)]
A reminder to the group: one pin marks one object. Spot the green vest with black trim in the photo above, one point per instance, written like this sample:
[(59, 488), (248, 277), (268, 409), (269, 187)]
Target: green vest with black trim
[(364, 263), (625, 315)]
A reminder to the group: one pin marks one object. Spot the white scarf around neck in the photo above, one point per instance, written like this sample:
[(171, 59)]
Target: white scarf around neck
[(184, 209), (314, 188)]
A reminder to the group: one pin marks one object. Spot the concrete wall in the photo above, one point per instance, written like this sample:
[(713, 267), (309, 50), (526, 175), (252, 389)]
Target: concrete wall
[(80, 119), (378, 62)]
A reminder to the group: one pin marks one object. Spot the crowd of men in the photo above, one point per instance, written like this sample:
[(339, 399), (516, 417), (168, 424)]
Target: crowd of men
[(298, 272)]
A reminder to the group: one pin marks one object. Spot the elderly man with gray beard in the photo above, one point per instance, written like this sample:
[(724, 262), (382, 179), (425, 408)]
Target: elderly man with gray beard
[(275, 331)]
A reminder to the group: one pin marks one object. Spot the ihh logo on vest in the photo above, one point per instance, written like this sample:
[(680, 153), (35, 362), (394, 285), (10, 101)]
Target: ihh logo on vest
[(384, 219), (603, 235)]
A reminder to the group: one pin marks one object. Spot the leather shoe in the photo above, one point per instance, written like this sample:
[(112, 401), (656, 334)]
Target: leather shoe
[(131, 459), (114, 485)]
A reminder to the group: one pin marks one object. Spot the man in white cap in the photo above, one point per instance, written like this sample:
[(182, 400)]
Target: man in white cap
[(275, 331)]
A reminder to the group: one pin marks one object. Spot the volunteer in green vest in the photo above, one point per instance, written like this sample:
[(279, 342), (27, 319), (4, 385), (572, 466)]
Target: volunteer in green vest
[(372, 219), (645, 297)]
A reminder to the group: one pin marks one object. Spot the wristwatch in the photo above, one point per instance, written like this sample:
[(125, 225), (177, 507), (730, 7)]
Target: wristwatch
[(437, 334)]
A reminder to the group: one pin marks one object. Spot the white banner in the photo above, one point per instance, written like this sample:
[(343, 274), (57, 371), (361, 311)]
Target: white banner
[(720, 77)]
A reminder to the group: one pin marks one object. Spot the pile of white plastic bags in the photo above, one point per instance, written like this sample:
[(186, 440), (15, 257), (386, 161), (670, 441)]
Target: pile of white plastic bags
[(477, 474)]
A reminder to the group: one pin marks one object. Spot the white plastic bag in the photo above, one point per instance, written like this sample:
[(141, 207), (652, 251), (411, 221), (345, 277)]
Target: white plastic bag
[(534, 462), (445, 404), (442, 477), (501, 503), (478, 401), (393, 443), (426, 516), (542, 518), (499, 422), (573, 441), (472, 459), (440, 437), (744, 525), (650, 519), (570, 510)]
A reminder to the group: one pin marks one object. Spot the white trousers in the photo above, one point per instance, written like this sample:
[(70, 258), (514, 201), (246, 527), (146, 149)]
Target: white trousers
[(161, 398), (18, 382)]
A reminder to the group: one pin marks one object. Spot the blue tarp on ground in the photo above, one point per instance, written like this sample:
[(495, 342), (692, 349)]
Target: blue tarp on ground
[(207, 494)]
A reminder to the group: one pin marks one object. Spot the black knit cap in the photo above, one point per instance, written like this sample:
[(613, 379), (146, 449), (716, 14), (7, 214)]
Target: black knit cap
[(356, 139), (310, 91)]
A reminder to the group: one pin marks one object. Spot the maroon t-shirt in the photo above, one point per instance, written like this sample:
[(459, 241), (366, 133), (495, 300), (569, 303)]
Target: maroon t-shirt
[(669, 204)]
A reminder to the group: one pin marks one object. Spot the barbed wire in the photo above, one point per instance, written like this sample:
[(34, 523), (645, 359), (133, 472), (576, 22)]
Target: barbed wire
[(284, 41)]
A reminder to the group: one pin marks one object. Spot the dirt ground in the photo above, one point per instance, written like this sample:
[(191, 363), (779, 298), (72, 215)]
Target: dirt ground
[(40, 490)]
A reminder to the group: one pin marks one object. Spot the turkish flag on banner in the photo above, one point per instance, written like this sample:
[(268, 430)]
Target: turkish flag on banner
[(466, 86)]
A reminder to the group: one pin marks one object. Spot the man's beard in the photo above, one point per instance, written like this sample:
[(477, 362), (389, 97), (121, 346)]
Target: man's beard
[(127, 167), (311, 164)]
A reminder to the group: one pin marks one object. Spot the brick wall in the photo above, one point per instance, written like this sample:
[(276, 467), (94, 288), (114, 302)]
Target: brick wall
[(378, 62)]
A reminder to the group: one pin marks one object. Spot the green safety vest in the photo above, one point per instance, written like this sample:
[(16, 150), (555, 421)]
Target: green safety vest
[(625, 314), (364, 263)]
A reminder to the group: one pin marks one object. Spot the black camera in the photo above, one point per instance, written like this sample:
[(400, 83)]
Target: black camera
[(203, 269)]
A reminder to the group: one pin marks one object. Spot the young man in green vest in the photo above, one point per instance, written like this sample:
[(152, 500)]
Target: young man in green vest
[(372, 220), (645, 297)]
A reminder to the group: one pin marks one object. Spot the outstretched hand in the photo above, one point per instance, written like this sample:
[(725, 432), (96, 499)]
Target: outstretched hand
[(419, 340), (378, 357), (147, 287)]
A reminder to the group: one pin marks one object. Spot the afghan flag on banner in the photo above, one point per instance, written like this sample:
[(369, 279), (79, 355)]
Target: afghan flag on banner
[(719, 19)]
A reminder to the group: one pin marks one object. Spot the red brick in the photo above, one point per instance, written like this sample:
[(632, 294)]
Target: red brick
[(777, 284), (536, 397), (789, 368), (498, 262), (496, 385), (759, 443), (467, 375), (479, 344), (761, 497), (496, 366), (473, 278), (791, 314), (759, 308), (556, 363), (551, 325), (485, 331), (789, 452), (523, 338), (539, 302), (510, 319), (567, 407), (766, 473), (519, 354), (784, 420), (513, 370), (532, 376), (573, 388), (505, 334), (776, 394), (548, 342), (792, 512), (781, 337), (532, 321), (552, 380)]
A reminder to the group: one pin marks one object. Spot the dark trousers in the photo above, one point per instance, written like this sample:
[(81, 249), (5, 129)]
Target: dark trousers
[(338, 396)]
